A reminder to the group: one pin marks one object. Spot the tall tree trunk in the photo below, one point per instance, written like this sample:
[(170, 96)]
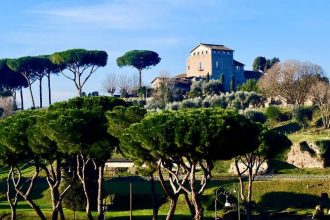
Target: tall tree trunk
[(49, 90), (88, 199), (12, 204), (40, 92), (199, 211), (249, 196), (195, 197), (140, 78), (33, 205), (171, 210), (26, 195), (79, 89), (22, 100), (14, 107), (81, 173), (31, 94), (54, 178), (155, 203), (55, 197), (190, 204), (171, 195), (100, 193), (62, 217)]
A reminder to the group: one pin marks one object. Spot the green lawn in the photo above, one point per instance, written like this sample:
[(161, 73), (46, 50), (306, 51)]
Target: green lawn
[(280, 195)]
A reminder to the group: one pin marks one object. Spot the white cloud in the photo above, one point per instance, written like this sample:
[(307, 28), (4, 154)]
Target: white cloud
[(126, 14)]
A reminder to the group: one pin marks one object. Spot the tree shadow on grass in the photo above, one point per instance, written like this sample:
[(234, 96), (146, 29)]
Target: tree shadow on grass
[(284, 200), (288, 128), (160, 217)]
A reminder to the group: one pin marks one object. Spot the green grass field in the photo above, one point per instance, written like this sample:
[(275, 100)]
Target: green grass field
[(280, 195)]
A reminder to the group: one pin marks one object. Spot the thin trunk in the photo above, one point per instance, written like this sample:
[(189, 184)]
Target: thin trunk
[(79, 91), (49, 90), (22, 100), (248, 203), (33, 205), (12, 204), (171, 211), (195, 197), (140, 79), (31, 94), (40, 92), (27, 198), (87, 209), (81, 169), (241, 190), (250, 185), (190, 205), (62, 217), (100, 193), (155, 204), (171, 195), (14, 107), (199, 211), (13, 212), (55, 197)]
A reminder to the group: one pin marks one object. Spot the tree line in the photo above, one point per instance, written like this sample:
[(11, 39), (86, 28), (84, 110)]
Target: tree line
[(76, 65), (75, 138)]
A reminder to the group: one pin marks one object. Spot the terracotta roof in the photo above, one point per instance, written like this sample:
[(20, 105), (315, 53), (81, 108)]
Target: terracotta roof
[(236, 63), (182, 75), (214, 47), (158, 77), (249, 74)]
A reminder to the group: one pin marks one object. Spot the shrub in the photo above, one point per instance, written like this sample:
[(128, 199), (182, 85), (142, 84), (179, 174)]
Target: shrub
[(324, 148), (255, 116), (154, 104), (212, 87), (303, 115), (273, 113), (74, 199)]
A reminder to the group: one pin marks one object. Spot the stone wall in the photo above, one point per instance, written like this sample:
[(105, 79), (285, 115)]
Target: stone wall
[(305, 155)]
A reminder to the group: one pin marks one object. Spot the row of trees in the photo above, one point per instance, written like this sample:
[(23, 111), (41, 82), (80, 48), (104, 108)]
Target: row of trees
[(76, 65), (79, 135), (70, 135)]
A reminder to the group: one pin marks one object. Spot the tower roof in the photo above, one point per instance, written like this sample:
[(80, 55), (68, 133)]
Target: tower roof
[(213, 47)]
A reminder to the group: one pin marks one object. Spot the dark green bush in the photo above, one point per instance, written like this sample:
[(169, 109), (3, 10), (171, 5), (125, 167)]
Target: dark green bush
[(303, 115), (273, 113), (74, 199), (255, 116), (324, 148)]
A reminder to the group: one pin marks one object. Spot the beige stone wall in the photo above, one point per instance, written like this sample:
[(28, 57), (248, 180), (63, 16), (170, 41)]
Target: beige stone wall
[(304, 159), (156, 82), (199, 63)]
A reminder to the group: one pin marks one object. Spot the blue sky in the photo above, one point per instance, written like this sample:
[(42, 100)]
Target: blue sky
[(288, 29)]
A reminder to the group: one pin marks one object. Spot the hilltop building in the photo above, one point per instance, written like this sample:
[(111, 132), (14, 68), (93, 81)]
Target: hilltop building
[(212, 60)]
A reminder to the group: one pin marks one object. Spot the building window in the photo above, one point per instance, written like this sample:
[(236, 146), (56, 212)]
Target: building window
[(205, 52), (188, 67), (200, 66)]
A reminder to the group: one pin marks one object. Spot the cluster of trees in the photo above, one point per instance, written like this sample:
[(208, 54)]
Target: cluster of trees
[(69, 135), (76, 65), (207, 87), (234, 100), (19, 73), (262, 64), (298, 82), (76, 137)]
